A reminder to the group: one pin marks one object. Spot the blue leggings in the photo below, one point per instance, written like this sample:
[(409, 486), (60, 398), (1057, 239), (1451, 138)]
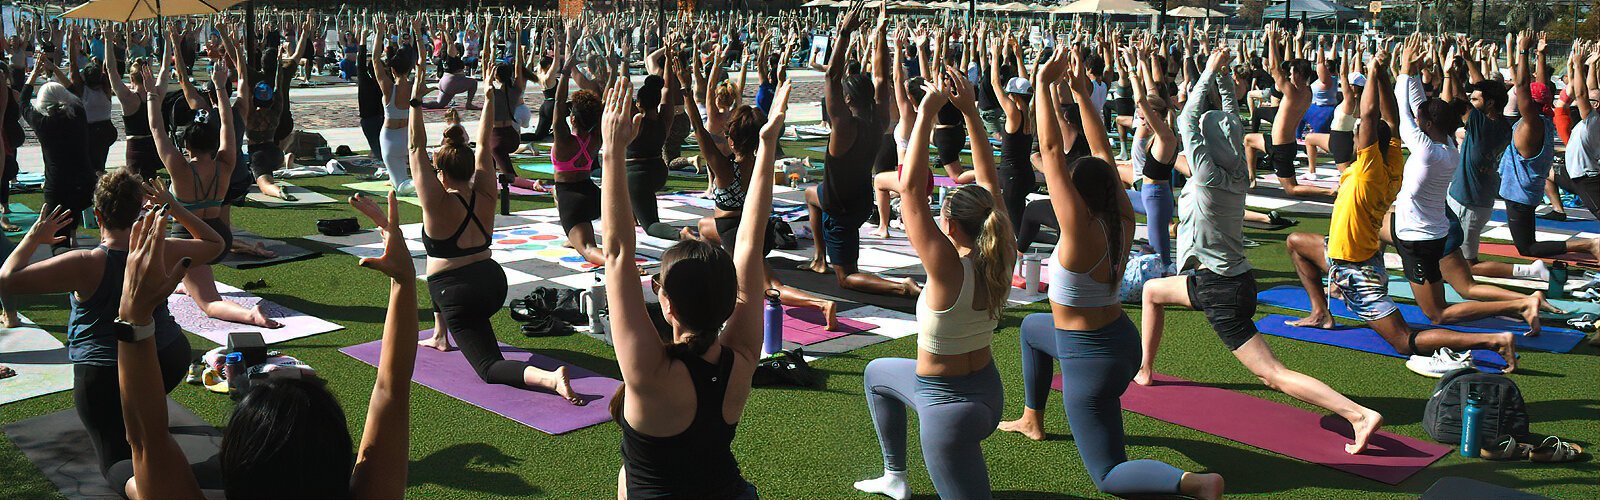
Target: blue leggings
[(1158, 209), (1096, 366), (954, 415)]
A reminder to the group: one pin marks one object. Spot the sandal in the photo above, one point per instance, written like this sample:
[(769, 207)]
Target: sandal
[(1554, 450), (1585, 322), (1506, 448)]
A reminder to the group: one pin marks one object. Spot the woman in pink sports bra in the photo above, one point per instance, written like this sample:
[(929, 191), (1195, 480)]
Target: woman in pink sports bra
[(577, 145)]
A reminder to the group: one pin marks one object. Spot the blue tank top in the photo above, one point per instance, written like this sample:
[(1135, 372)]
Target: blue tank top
[(1522, 178), (90, 337)]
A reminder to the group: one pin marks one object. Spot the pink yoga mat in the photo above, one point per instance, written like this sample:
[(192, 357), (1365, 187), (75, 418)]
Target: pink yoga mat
[(804, 326), (1278, 428), (449, 373)]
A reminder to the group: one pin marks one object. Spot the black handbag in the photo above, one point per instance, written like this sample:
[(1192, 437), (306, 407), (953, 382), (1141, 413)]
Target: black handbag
[(338, 227)]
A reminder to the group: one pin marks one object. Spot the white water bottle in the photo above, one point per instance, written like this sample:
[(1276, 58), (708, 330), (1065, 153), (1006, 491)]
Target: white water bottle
[(1031, 264)]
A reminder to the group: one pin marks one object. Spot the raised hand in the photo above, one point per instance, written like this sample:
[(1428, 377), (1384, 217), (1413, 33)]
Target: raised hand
[(620, 122), (52, 219), (780, 111), (396, 260), (145, 284), (962, 93)]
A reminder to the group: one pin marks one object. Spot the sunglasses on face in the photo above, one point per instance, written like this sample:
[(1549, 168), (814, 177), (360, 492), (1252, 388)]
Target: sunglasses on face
[(655, 283)]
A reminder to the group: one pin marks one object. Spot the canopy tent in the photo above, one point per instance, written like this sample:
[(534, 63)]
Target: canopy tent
[(1133, 7), (1195, 12), (134, 10), (1311, 9)]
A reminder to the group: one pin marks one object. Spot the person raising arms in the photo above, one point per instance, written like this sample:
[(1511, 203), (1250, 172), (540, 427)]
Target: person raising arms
[(577, 137), (683, 391), (1293, 79)]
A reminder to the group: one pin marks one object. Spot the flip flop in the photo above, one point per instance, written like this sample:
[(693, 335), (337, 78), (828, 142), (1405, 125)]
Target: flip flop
[(1554, 450), (1506, 448)]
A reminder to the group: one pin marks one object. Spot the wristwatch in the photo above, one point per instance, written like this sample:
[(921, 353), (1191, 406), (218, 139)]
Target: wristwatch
[(416, 103), (129, 332)]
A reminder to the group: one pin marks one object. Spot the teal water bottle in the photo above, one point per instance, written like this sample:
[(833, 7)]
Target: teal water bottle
[(1469, 426), (1558, 280)]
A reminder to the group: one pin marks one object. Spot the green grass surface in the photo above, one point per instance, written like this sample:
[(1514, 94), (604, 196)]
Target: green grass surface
[(814, 443)]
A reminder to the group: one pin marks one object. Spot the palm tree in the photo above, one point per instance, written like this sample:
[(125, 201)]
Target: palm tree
[(1533, 15)]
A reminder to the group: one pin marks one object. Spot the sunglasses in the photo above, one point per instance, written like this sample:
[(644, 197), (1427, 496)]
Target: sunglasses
[(655, 283)]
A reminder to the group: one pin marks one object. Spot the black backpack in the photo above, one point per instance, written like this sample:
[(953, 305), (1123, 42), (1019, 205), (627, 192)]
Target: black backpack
[(1502, 410)]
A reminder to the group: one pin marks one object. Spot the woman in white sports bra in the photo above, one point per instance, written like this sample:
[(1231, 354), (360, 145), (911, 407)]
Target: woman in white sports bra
[(953, 384), (1087, 331)]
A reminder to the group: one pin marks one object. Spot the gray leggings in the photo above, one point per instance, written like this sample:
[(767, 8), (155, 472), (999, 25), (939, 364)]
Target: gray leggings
[(1096, 366), (954, 415)]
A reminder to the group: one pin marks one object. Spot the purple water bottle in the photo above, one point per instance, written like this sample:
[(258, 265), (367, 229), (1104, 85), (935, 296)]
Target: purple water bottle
[(772, 335)]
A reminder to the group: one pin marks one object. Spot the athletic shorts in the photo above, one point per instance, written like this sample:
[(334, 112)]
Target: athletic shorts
[(1364, 286), (1229, 303), (1473, 220), (994, 120), (1123, 106), (841, 238), (1342, 145), (577, 202), (265, 158), (1281, 158), (1421, 258), (949, 142)]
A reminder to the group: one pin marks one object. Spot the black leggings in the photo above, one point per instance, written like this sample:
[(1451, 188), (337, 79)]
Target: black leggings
[(1036, 215), (466, 297), (547, 112), (1015, 186), (1587, 189), (98, 396), (370, 127), (678, 133), (1521, 220), (645, 178), (12, 169), (101, 135)]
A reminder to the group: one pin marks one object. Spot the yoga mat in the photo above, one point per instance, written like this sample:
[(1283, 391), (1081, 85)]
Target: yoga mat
[(302, 196), (789, 212), (451, 374), (285, 252), (1460, 488), (539, 167), (23, 217), (1279, 428), (522, 191), (1268, 227), (1504, 250), (380, 189), (805, 326), (1571, 224), (295, 323), (1550, 339), (59, 446), (1399, 288), (39, 360), (1277, 192), (1360, 339), (30, 179), (827, 285)]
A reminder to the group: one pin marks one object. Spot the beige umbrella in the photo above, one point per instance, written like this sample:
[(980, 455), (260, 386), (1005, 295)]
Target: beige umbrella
[(134, 10), (913, 5), (1133, 7), (1015, 7), (818, 3), (1195, 12)]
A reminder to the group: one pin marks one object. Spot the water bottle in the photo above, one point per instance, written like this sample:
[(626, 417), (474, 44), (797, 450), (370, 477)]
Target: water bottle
[(772, 333), (238, 375), (505, 194), (1469, 426), (1031, 265), (1558, 280), (594, 301)]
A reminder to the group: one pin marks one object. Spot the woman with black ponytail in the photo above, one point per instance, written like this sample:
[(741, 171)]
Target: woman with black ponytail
[(682, 399)]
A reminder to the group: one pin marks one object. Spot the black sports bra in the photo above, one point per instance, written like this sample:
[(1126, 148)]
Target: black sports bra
[(450, 248)]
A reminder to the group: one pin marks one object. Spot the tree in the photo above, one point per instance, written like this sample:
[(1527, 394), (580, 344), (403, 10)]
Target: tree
[(1250, 11), (1533, 15)]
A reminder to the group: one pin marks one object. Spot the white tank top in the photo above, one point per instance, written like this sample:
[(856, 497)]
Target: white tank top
[(958, 329)]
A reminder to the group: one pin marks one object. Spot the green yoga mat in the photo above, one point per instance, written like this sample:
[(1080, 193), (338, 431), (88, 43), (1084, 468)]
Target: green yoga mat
[(23, 217), (1399, 287), (380, 189)]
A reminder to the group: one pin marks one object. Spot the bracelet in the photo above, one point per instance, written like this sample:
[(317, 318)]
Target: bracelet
[(415, 103)]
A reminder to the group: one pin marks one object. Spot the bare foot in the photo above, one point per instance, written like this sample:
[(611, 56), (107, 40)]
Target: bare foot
[(7, 226), (1320, 320), (258, 317), (276, 191), (180, 290), (1202, 486), (817, 265), (1026, 426), (686, 234), (881, 232), (830, 314), (1145, 377), (1506, 345), (1545, 305), (1530, 312), (910, 288), (10, 319), (1364, 428), (563, 387), (259, 249), (440, 341)]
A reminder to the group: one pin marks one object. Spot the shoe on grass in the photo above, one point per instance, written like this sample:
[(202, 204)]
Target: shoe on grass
[(1441, 362)]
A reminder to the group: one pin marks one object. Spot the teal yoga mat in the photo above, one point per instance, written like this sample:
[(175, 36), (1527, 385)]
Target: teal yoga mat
[(543, 168), (23, 217), (1399, 288)]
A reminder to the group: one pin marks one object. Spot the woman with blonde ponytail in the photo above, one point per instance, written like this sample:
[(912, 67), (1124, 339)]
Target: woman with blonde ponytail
[(953, 384)]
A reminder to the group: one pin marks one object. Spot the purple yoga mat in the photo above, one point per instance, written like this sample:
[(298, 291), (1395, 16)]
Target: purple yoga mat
[(1279, 428), (449, 373), (944, 182), (804, 326)]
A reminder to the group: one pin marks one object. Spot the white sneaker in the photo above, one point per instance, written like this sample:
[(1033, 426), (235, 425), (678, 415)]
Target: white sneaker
[(1443, 361)]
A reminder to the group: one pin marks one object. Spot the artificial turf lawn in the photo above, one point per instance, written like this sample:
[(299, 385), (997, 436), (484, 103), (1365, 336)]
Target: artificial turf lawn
[(796, 443)]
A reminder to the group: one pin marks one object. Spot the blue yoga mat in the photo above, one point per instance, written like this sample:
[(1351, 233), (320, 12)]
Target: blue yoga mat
[(1399, 288), (1360, 339), (1572, 225), (1550, 339)]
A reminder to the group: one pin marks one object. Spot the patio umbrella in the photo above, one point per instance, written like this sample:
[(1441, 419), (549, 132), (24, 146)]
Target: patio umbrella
[(818, 3), (1133, 7), (134, 10), (1195, 12)]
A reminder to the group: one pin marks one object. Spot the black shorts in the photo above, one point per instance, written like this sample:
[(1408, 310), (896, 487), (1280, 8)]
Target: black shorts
[(1281, 158), (1342, 145), (949, 141), (577, 202), (1123, 105), (728, 230), (1421, 259), (265, 158), (178, 231), (1229, 303)]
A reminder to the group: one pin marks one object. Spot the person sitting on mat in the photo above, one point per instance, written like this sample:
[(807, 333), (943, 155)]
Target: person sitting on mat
[(1217, 278), (577, 138), (953, 384), (287, 437), (1293, 80), (683, 390), (1351, 256), (94, 280), (843, 201), (457, 190), (1087, 331)]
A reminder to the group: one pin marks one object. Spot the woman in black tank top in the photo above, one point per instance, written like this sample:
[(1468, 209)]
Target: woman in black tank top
[(647, 170)]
